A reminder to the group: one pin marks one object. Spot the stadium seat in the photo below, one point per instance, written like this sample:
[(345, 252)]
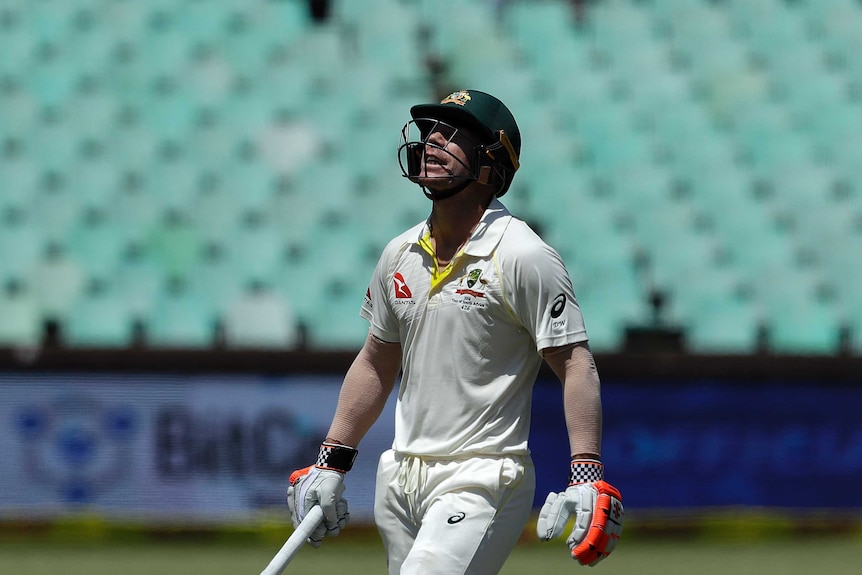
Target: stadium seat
[(54, 141), (135, 147), (181, 319), (100, 318), (725, 326), (838, 266), (98, 245), (51, 78), (259, 318), (764, 251), (256, 249), (571, 58), (175, 244), (19, 113), (673, 248), (95, 182), (169, 113), (377, 31), (611, 297), (56, 283), (213, 278), (56, 210), (136, 211), (140, 281), (92, 39), (623, 36), (714, 190), (21, 248), (712, 155), (21, 177), (803, 189), (809, 328), (530, 24), (747, 15), (18, 44), (21, 325), (250, 182), (203, 23), (833, 127), (337, 325), (325, 188), (215, 213)]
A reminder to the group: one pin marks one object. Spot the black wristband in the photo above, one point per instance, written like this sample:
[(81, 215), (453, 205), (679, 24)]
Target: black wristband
[(586, 471), (336, 457)]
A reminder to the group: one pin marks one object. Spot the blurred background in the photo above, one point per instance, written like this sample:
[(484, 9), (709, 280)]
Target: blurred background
[(193, 195)]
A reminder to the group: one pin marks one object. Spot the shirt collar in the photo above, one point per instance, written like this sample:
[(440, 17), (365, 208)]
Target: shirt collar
[(488, 231)]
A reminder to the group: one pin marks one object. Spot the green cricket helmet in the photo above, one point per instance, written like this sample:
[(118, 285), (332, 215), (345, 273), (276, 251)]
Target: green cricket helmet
[(485, 119)]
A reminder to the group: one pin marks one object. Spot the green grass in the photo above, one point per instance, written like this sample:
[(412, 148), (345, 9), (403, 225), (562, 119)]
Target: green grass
[(832, 556)]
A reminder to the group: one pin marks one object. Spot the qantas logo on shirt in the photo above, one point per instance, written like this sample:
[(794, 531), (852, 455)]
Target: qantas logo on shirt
[(402, 291)]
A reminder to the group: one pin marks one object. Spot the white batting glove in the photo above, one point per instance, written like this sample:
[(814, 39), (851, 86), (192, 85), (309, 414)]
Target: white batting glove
[(322, 484), (597, 510)]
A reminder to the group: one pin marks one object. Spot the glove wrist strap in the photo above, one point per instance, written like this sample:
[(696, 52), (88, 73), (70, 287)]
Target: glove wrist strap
[(336, 457), (586, 471)]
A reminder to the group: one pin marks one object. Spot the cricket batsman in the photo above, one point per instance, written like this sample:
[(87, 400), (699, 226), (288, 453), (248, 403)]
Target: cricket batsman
[(466, 306)]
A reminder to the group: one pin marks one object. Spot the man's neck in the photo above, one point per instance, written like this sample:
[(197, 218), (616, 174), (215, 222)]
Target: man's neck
[(453, 221)]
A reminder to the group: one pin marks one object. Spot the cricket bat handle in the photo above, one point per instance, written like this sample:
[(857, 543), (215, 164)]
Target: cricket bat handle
[(294, 542)]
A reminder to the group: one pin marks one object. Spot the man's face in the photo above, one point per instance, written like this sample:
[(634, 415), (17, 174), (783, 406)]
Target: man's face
[(446, 157)]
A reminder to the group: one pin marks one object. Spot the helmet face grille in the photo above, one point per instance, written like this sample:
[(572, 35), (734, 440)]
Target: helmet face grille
[(486, 163), (415, 140)]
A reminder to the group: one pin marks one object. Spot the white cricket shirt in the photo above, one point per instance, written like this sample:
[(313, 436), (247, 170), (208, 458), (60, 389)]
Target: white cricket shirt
[(471, 334)]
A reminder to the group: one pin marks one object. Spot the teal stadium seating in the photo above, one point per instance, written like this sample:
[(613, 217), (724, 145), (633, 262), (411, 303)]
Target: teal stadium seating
[(180, 173)]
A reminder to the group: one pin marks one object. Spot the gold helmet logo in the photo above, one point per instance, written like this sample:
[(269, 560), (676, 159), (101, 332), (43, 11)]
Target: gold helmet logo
[(460, 97)]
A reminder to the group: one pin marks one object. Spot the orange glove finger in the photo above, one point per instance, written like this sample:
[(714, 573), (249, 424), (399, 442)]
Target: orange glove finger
[(299, 474), (605, 528)]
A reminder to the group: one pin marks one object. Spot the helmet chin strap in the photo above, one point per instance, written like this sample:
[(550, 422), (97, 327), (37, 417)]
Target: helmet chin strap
[(448, 193)]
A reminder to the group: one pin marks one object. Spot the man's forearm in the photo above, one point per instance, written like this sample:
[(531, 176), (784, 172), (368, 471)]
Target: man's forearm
[(365, 390), (582, 403)]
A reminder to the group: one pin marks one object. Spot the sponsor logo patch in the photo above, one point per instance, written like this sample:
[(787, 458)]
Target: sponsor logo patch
[(472, 296), (559, 306), (402, 291), (457, 518)]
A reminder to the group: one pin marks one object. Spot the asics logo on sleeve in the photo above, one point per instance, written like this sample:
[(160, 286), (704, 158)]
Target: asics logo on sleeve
[(457, 518), (559, 305), (401, 289)]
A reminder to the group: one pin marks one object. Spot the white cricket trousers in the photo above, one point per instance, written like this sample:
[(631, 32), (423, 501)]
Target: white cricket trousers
[(451, 516)]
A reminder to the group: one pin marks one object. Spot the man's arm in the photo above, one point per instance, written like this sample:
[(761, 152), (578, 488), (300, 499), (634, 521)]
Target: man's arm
[(366, 387), (595, 504), (582, 402)]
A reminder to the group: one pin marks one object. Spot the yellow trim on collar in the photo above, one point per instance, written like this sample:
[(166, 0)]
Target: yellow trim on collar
[(438, 276)]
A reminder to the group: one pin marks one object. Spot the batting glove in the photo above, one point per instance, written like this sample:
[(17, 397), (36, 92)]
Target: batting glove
[(322, 484), (597, 508)]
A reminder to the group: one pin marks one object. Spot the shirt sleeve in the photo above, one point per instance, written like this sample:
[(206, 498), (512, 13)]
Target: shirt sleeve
[(376, 308), (542, 298)]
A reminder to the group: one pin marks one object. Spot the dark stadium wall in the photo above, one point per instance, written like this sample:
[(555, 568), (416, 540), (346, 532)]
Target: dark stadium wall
[(162, 435)]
